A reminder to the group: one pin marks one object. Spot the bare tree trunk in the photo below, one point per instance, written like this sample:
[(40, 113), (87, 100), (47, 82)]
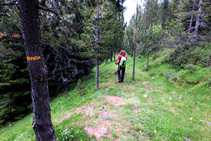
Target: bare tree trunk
[(191, 20), (134, 57), (65, 79), (148, 59), (198, 19), (97, 74), (134, 51), (97, 58), (64, 71), (30, 23), (114, 56), (106, 60), (111, 56)]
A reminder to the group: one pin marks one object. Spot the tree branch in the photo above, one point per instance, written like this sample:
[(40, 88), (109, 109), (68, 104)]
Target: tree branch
[(48, 9), (13, 2)]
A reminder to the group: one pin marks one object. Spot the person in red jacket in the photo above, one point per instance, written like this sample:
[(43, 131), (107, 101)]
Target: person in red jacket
[(121, 77)]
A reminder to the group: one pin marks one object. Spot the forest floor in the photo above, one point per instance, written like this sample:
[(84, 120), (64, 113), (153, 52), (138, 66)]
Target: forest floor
[(151, 107)]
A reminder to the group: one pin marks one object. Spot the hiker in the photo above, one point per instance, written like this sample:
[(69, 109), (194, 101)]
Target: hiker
[(121, 62)]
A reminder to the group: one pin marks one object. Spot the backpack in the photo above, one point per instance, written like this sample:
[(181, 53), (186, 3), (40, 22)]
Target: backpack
[(123, 61)]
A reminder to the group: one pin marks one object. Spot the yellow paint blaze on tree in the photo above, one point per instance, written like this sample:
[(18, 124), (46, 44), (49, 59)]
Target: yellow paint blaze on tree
[(33, 58)]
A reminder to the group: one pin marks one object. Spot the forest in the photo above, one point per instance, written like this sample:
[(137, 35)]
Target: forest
[(57, 68)]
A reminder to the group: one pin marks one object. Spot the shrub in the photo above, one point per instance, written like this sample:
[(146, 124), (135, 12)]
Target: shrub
[(81, 87), (169, 74), (152, 73), (190, 67)]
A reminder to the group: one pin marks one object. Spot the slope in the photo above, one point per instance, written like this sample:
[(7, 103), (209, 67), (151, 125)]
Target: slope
[(153, 106)]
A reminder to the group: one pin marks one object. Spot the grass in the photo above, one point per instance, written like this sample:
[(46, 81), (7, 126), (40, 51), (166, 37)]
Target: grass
[(158, 105)]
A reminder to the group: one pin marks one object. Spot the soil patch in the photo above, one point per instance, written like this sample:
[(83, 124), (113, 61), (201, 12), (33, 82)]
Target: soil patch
[(115, 100), (103, 128)]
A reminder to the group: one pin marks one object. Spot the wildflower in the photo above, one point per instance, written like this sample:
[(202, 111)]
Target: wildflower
[(155, 131)]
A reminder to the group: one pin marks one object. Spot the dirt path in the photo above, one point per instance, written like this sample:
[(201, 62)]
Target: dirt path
[(107, 123)]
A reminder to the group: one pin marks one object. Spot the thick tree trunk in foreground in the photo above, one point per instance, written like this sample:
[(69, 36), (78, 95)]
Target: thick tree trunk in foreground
[(30, 23)]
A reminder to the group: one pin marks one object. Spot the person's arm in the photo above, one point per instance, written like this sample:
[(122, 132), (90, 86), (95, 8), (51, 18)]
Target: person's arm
[(118, 60)]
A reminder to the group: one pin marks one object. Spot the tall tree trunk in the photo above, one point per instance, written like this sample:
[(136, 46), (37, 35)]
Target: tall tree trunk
[(106, 60), (134, 57), (198, 19), (114, 56), (191, 20), (64, 71), (97, 58), (65, 80), (111, 56), (134, 51), (30, 23), (148, 59), (97, 74)]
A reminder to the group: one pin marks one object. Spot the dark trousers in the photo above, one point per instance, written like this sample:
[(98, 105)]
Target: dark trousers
[(121, 77)]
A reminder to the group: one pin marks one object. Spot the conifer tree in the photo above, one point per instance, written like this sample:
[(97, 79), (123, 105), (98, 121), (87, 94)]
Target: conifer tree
[(96, 32), (30, 22)]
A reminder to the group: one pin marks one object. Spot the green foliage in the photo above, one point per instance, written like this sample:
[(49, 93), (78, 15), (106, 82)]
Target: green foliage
[(15, 99), (191, 55), (66, 132)]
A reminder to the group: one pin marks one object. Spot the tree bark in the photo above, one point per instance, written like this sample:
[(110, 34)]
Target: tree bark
[(111, 56), (114, 56), (191, 20), (97, 58), (148, 59), (134, 57), (106, 60), (198, 19), (97, 74), (134, 51), (30, 23)]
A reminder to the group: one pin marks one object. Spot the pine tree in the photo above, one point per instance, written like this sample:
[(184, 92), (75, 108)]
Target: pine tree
[(30, 22), (97, 32)]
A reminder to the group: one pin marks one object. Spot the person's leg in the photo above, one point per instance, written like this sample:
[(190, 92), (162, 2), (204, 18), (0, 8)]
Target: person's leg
[(118, 71), (123, 74)]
